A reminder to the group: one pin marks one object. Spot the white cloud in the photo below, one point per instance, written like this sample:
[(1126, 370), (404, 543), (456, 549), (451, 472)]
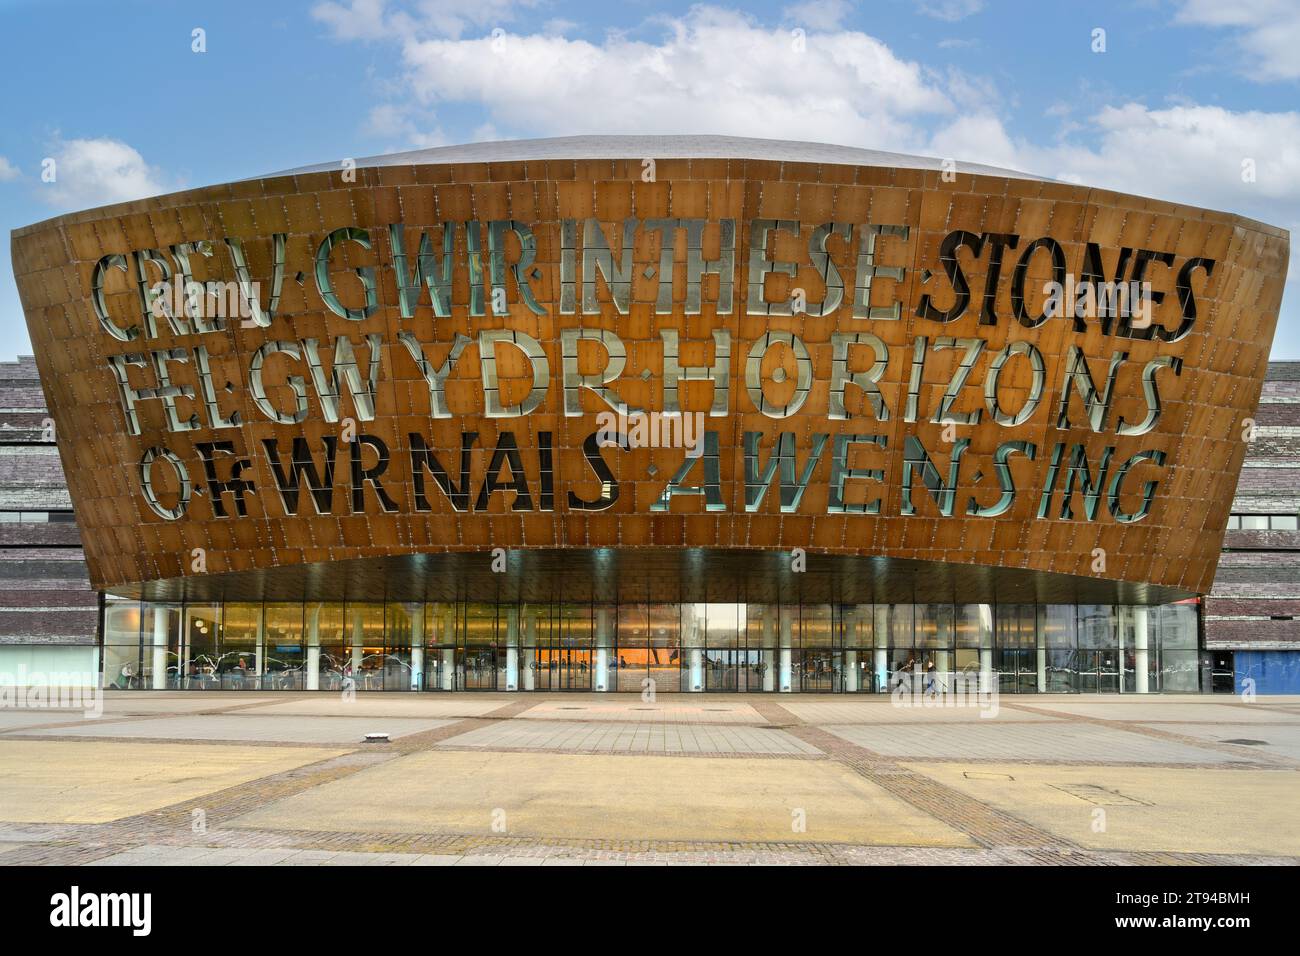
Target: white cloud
[(356, 19), (1267, 33), (951, 10), (818, 14), (1187, 154), (97, 172), (1194, 154), (981, 138), (378, 19), (8, 170), (559, 25), (714, 71), (719, 71), (391, 120)]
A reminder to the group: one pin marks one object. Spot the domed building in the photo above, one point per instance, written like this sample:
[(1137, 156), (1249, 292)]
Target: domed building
[(652, 414)]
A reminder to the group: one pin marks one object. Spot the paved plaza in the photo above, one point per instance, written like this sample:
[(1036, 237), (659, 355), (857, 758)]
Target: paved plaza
[(574, 779)]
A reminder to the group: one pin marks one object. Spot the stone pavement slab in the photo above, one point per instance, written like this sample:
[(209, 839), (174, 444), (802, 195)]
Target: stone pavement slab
[(991, 740), (1145, 808), (624, 737), (610, 798), (387, 705), (11, 720), (1154, 709), (880, 710), (667, 709), (178, 702), (1280, 739), (94, 781), (246, 727)]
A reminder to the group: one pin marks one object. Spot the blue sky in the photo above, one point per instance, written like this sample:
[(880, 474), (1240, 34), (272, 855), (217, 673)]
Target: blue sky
[(1184, 93)]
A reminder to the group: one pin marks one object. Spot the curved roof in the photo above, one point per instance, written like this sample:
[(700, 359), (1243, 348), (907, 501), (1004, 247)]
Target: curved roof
[(661, 147)]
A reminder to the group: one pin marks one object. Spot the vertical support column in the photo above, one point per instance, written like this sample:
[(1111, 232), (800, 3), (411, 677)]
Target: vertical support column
[(182, 653), (1042, 667), (417, 648), (448, 654), (358, 643), (601, 683), (158, 657), (786, 631), (529, 657), (987, 626), (259, 655), (769, 652), (313, 647), (850, 658), (512, 647), (1141, 649), (697, 669), (881, 629)]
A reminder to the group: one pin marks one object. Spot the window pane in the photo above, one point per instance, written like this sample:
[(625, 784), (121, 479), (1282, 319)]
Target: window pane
[(859, 625), (817, 626), (1177, 626), (284, 660), (900, 624), (974, 625), (364, 635), (1057, 623), (1015, 625), (934, 625), (200, 631), (1097, 626), (1180, 671), (405, 623)]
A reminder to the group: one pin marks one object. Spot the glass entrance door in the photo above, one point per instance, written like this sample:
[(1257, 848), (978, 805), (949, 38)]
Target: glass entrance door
[(439, 672), (574, 670), (749, 670), (723, 669), (1099, 672), (1223, 678), (819, 672), (563, 668), (1017, 670), (478, 667)]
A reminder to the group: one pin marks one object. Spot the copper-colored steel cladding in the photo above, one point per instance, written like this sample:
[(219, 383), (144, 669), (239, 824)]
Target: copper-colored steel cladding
[(1205, 409)]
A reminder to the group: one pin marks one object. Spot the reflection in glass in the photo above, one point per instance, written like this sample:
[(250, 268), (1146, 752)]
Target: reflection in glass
[(672, 647)]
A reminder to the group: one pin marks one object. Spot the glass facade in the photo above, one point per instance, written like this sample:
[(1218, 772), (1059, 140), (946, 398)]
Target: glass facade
[(682, 647)]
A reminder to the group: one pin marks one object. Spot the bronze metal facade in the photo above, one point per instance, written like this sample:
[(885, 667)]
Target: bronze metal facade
[(873, 378)]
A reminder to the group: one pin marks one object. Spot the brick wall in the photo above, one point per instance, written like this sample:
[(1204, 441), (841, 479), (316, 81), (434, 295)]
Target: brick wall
[(45, 595), (1255, 600)]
